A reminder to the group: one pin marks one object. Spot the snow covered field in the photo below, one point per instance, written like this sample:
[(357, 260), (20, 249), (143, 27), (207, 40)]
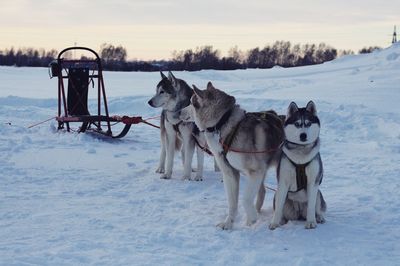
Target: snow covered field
[(76, 199)]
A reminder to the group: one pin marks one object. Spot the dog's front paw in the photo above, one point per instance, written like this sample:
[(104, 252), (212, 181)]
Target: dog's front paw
[(227, 224), (160, 170), (310, 225), (320, 219), (186, 177), (250, 222), (273, 226), (165, 176), (198, 178)]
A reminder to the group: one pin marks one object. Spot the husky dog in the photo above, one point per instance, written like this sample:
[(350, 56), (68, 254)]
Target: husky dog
[(240, 142), (300, 170), (172, 95)]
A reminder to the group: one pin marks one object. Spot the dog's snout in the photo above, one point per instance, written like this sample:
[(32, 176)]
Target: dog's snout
[(150, 103), (303, 137)]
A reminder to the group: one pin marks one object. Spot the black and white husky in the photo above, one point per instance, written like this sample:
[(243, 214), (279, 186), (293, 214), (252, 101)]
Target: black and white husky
[(172, 95), (300, 170)]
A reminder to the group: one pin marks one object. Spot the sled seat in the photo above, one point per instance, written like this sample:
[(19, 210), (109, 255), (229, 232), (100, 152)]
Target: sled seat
[(77, 96)]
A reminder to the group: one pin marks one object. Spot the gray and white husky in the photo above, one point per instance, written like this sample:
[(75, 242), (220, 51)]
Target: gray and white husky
[(300, 170), (173, 94), (240, 142)]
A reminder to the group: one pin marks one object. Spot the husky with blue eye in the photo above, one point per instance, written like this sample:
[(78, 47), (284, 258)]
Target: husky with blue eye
[(300, 170)]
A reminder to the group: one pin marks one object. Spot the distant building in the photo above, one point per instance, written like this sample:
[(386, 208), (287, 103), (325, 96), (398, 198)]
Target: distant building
[(394, 35)]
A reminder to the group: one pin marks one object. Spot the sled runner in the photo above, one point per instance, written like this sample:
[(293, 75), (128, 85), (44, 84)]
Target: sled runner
[(82, 74)]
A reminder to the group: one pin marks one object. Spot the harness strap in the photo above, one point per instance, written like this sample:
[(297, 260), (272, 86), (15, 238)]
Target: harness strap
[(196, 129), (176, 127), (204, 148), (263, 116), (229, 139), (221, 122), (301, 176)]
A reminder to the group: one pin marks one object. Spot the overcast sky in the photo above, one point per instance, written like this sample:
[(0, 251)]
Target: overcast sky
[(153, 29)]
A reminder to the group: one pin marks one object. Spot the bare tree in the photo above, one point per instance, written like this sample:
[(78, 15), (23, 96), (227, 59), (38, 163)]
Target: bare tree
[(109, 53)]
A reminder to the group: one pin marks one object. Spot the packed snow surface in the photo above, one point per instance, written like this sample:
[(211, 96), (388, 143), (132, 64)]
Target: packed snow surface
[(79, 199)]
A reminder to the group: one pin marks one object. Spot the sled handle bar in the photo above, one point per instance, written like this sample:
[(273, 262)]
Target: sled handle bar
[(89, 63), (78, 48)]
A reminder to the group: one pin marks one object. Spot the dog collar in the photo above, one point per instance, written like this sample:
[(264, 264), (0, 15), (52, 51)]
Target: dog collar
[(220, 123)]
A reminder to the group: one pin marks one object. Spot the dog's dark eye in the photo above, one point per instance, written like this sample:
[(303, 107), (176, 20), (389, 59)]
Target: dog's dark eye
[(297, 124), (307, 124), (161, 92)]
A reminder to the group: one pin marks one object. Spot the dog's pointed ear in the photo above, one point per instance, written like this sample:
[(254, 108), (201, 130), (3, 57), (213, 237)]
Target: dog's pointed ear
[(311, 107), (198, 92), (210, 86), (162, 75), (171, 77), (292, 109)]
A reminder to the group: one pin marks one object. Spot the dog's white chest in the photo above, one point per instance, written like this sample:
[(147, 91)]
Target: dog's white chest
[(213, 142)]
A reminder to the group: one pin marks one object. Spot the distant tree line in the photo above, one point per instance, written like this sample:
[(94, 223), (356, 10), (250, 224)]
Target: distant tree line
[(367, 50), (27, 57), (280, 53), (114, 58)]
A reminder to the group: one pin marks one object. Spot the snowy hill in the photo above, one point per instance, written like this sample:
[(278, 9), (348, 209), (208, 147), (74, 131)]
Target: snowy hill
[(74, 199)]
